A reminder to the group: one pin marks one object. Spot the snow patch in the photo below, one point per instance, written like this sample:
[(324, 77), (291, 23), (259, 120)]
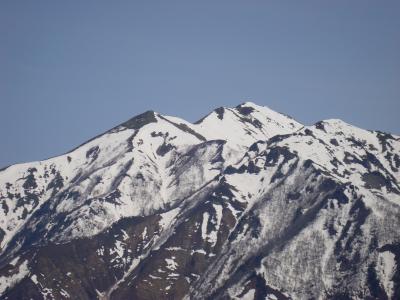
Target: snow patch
[(7, 282), (171, 264), (168, 217), (385, 270)]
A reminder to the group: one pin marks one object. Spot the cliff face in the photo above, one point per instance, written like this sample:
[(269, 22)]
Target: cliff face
[(244, 204)]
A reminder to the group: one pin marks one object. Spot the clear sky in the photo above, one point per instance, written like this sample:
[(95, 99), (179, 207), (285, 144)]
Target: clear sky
[(70, 70)]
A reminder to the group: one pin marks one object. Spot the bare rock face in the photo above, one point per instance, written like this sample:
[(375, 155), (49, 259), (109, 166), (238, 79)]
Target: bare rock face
[(246, 203)]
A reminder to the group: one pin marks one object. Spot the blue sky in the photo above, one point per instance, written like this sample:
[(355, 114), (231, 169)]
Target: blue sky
[(72, 69)]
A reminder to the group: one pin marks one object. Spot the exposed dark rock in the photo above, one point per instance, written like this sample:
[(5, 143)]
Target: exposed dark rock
[(140, 120), (384, 140), (356, 143), (309, 132), (320, 125), (334, 142), (164, 149), (373, 284), (56, 183), (220, 112), (374, 180), (30, 182), (244, 110), (294, 196), (93, 152), (157, 134)]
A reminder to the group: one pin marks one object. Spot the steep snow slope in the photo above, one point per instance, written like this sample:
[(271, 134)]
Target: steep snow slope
[(243, 125), (134, 164), (244, 204), (323, 210)]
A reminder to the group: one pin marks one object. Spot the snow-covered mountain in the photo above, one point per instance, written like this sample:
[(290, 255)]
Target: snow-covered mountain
[(246, 203)]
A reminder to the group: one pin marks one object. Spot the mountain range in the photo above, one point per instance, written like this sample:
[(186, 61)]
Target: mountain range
[(246, 203)]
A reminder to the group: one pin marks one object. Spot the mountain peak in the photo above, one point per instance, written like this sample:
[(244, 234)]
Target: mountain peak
[(336, 126), (244, 124), (140, 120), (335, 121), (249, 104)]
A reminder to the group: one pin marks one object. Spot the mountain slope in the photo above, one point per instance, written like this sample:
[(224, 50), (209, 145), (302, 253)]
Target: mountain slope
[(245, 203)]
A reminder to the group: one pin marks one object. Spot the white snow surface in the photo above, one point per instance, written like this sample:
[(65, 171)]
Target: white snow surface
[(155, 168), (130, 161), (9, 281)]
